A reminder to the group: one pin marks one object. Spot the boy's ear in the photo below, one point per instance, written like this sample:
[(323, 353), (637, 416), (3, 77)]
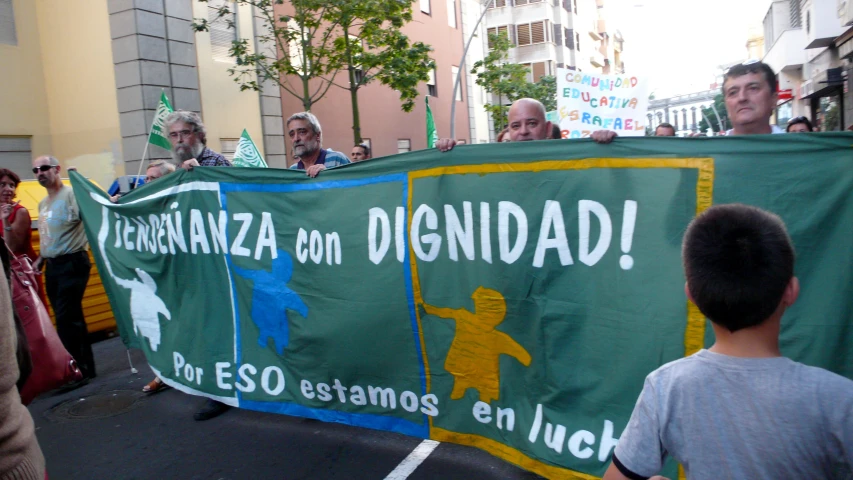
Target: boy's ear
[(687, 292), (792, 291)]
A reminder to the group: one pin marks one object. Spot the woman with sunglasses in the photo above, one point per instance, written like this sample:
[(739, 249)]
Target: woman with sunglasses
[(799, 125)]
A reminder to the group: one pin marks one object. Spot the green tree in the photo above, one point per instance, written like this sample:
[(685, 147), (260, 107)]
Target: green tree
[(544, 90), (370, 46), (295, 51), (720, 106), (497, 77)]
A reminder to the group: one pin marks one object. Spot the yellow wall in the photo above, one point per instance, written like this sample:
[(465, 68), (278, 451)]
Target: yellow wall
[(226, 111), (80, 86), (22, 91)]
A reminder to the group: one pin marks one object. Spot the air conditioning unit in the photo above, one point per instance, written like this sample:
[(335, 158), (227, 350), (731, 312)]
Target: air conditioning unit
[(845, 12)]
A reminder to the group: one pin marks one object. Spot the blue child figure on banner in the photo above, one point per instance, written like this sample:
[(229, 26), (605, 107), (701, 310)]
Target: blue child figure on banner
[(271, 298)]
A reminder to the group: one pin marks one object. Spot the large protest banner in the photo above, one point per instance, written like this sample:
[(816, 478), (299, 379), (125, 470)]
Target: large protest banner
[(511, 297), (587, 102)]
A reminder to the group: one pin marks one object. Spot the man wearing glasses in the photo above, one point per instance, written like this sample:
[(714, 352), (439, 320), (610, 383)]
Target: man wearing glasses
[(189, 142), (189, 149), (64, 251)]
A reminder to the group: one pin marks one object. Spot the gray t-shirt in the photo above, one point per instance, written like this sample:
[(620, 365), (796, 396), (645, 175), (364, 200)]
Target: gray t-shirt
[(60, 227), (726, 417)]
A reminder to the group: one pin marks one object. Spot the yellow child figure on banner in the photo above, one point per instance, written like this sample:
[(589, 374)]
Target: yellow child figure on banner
[(473, 359)]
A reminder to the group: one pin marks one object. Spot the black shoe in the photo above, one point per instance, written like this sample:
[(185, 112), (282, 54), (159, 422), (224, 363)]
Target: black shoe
[(73, 385), (210, 409)]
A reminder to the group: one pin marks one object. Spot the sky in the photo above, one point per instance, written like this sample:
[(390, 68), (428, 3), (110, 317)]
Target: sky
[(678, 44)]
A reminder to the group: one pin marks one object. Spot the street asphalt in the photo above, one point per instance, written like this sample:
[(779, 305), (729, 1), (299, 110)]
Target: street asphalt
[(109, 429)]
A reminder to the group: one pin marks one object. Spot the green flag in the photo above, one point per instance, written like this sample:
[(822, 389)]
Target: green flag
[(432, 135), (247, 154), (158, 135)]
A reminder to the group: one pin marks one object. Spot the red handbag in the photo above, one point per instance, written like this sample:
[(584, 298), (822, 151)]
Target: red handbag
[(53, 366)]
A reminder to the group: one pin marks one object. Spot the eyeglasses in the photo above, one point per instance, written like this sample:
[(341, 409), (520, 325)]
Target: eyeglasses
[(43, 168), (182, 133)]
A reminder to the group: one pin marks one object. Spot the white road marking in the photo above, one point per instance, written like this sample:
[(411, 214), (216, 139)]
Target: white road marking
[(410, 463)]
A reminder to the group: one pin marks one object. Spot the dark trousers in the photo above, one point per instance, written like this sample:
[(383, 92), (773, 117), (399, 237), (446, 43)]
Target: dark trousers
[(66, 277)]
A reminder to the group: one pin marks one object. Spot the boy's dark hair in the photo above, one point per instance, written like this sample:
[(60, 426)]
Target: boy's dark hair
[(742, 69), (738, 261)]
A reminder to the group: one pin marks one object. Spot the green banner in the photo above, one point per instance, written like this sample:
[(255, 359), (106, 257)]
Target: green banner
[(512, 297)]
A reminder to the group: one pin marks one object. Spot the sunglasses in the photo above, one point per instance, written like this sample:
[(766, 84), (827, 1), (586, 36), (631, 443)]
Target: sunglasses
[(43, 168)]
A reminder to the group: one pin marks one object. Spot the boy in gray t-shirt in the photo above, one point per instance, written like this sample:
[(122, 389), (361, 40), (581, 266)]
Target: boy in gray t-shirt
[(740, 410)]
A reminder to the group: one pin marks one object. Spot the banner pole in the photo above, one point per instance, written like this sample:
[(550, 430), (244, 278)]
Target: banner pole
[(141, 162)]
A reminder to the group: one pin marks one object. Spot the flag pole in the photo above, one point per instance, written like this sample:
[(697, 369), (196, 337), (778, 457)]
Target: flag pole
[(141, 162)]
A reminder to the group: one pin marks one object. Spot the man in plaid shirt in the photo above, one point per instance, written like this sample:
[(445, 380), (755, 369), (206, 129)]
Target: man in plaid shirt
[(189, 142), (189, 137)]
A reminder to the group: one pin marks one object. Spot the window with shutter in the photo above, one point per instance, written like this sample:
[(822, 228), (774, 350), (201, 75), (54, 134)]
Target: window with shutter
[(537, 32), (497, 4), (432, 90), (228, 147), (569, 34), (8, 35), (16, 155), (294, 47), (558, 34), (521, 2), (523, 32), (221, 33), (538, 70), (404, 145), (502, 30)]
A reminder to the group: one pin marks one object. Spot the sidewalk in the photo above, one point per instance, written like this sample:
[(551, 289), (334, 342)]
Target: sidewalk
[(109, 429)]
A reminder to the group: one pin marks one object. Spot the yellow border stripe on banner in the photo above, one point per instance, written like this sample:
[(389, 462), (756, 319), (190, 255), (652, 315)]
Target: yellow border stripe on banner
[(694, 334), (509, 454)]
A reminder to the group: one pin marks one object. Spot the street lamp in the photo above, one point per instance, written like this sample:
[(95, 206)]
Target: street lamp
[(459, 73)]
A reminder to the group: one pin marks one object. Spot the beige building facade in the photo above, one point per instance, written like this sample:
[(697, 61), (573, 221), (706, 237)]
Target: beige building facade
[(84, 78)]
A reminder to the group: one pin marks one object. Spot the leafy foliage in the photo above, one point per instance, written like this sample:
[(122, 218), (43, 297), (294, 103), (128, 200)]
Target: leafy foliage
[(497, 77), (303, 53), (509, 81), (720, 106), (371, 46)]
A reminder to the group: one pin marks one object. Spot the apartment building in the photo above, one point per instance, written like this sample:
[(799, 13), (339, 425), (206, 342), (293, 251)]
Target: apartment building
[(684, 112), (551, 34), (808, 44)]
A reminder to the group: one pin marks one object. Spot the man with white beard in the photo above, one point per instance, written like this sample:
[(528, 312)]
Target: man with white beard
[(189, 137), (306, 135), (189, 142)]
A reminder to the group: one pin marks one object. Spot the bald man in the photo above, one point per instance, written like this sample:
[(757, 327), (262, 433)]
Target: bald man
[(526, 122)]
